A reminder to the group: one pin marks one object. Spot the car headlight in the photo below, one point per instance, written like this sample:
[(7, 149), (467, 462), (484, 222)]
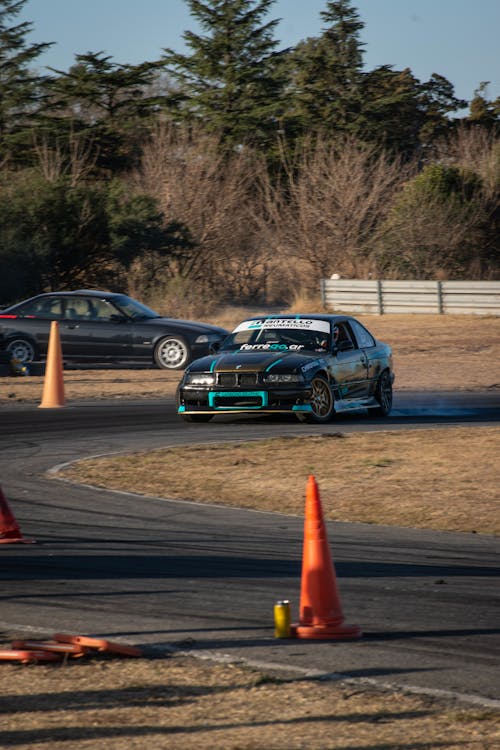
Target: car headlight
[(207, 338), (199, 378), (288, 377)]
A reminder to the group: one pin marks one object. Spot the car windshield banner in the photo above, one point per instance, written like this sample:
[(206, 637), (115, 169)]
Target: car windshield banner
[(301, 324)]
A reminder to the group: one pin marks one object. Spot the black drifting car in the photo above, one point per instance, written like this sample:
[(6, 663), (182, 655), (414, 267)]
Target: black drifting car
[(308, 365), (103, 327)]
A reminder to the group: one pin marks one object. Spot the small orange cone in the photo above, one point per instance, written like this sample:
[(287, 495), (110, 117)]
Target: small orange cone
[(99, 644), (320, 609), (53, 384), (26, 656), (72, 649), (9, 528)]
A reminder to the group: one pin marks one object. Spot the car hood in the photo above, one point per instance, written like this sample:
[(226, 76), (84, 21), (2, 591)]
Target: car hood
[(256, 362), (191, 325)]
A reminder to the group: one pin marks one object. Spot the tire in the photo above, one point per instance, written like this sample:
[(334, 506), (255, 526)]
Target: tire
[(322, 402), (196, 417), (172, 353), (383, 394), (22, 350)]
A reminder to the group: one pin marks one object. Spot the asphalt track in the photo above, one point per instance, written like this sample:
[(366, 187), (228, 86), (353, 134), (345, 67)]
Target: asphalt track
[(205, 578)]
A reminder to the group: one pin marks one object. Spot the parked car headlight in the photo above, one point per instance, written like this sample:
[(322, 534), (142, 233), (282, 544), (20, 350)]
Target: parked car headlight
[(199, 378), (207, 338), (287, 377)]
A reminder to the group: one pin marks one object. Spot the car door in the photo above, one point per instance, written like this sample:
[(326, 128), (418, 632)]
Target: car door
[(368, 345), (349, 364), (93, 329)]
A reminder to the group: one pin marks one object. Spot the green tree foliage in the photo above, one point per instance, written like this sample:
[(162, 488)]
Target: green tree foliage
[(20, 89), (484, 112), (327, 72), (105, 101), (233, 80), (54, 235), (435, 225), (403, 113), (331, 91)]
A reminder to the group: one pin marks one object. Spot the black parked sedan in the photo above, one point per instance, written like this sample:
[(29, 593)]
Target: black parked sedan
[(309, 365), (99, 326)]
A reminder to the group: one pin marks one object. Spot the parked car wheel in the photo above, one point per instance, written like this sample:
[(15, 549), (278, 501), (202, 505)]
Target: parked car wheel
[(322, 402), (22, 349), (383, 394), (172, 353)]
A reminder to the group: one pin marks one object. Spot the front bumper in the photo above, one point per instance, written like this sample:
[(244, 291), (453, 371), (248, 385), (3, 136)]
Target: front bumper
[(195, 400)]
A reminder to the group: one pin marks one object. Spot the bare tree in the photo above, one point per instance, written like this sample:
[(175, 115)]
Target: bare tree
[(212, 194), (76, 159), (440, 232), (332, 208), (476, 149)]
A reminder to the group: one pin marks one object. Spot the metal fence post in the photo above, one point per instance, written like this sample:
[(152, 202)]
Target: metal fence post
[(380, 295), (440, 297)]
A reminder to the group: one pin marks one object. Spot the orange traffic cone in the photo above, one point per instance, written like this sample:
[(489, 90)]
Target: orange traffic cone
[(53, 384), (99, 644), (9, 529), (320, 609)]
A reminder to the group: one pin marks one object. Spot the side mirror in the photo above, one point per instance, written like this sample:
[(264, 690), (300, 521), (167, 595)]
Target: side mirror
[(215, 347)]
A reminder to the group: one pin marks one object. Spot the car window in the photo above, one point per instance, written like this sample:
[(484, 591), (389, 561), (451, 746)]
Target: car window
[(364, 337), (342, 334), (80, 308), (50, 308), (86, 308)]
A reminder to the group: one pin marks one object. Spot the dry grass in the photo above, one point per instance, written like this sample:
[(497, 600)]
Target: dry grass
[(437, 479), (181, 703)]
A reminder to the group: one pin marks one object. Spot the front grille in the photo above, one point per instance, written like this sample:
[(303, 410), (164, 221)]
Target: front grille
[(239, 402), (232, 379)]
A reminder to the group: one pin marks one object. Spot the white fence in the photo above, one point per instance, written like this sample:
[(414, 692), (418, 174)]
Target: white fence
[(379, 297)]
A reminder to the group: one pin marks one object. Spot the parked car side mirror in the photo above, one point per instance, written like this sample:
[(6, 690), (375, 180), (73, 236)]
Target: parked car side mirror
[(214, 347)]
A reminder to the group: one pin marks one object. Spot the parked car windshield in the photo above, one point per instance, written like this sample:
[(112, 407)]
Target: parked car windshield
[(134, 309), (281, 334)]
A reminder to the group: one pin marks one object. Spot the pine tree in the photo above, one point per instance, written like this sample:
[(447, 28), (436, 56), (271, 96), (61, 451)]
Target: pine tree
[(106, 103), (20, 88), (328, 71), (233, 79)]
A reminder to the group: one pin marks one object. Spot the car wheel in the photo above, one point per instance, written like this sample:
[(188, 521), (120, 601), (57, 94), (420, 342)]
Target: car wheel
[(383, 394), (22, 350), (172, 353), (321, 401), (197, 417)]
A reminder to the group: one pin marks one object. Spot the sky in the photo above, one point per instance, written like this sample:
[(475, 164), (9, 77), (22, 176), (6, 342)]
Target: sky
[(458, 39)]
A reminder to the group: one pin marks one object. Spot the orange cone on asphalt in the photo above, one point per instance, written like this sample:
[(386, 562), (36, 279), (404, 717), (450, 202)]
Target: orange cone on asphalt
[(321, 614), (9, 528), (27, 656), (71, 649), (99, 644), (53, 384)]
